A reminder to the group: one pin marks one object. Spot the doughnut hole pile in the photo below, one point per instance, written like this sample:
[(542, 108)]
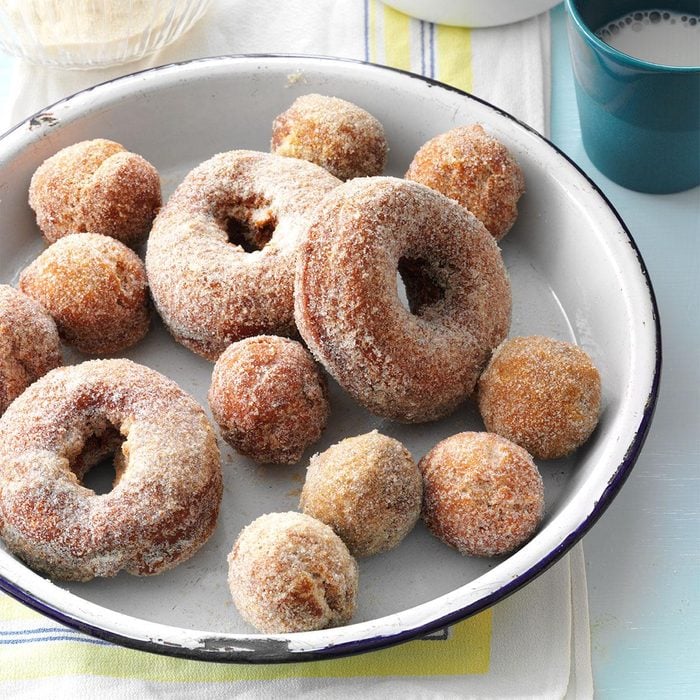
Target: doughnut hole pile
[(476, 170), (96, 290), (29, 344), (244, 238), (95, 186), (269, 398), (368, 489), (289, 572), (338, 135), (482, 494), (541, 393)]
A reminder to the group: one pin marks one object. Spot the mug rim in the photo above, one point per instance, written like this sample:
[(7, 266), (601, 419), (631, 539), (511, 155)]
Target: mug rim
[(618, 55)]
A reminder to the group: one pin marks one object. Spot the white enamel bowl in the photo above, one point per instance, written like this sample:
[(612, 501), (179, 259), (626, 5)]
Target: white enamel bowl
[(576, 275)]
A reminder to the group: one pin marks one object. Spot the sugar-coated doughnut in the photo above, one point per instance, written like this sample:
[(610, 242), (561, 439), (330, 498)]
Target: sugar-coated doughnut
[(288, 572), (165, 499), (408, 366), (476, 170), (96, 290), (482, 494), (336, 134), (269, 398), (95, 186), (542, 393), (368, 489), (211, 292), (29, 344)]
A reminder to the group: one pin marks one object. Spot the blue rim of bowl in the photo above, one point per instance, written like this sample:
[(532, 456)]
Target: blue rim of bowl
[(621, 56), (260, 649)]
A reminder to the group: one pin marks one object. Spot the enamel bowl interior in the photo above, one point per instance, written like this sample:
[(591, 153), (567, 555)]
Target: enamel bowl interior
[(575, 273)]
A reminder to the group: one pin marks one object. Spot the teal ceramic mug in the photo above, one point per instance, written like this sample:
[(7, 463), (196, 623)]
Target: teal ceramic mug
[(640, 121)]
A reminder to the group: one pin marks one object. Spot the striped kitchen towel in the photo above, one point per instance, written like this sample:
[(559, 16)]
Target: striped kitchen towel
[(508, 66), (534, 644)]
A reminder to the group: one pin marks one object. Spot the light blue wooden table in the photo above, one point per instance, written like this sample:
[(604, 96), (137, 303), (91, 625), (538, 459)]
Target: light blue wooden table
[(643, 556)]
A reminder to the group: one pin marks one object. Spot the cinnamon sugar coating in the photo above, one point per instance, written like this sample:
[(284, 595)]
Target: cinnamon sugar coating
[(405, 365), (209, 291), (165, 499), (95, 186), (291, 573), (541, 393), (96, 290), (368, 489), (483, 494), (29, 344), (269, 398), (477, 171), (336, 134)]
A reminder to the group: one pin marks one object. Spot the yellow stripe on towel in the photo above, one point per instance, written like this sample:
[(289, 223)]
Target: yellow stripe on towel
[(10, 609), (465, 651), (371, 38), (397, 39), (454, 56)]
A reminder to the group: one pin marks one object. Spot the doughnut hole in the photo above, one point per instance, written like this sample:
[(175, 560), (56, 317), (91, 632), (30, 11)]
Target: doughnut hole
[(95, 186), (541, 393), (421, 287), (368, 489), (269, 399), (482, 494), (289, 572), (336, 134), (95, 288), (476, 170), (29, 344), (121, 199)]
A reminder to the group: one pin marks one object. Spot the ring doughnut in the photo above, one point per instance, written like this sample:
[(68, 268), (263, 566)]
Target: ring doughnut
[(415, 365), (165, 500), (211, 292), (29, 345)]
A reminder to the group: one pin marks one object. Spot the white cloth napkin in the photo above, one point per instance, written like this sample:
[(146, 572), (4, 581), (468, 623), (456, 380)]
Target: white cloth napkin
[(539, 645), (510, 65)]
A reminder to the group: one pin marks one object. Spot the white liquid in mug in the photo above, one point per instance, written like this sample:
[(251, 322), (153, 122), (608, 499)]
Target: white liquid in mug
[(657, 36)]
